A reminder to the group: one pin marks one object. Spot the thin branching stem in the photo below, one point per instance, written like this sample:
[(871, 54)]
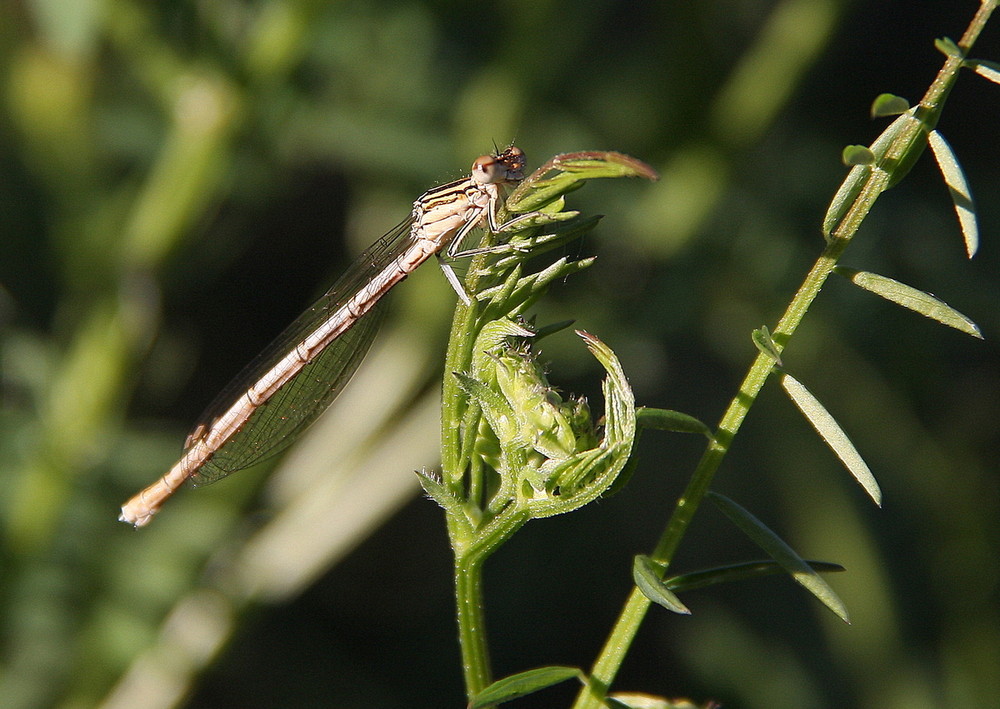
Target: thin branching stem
[(619, 641)]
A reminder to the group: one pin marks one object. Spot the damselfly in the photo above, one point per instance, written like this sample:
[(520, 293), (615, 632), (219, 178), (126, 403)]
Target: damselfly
[(302, 372)]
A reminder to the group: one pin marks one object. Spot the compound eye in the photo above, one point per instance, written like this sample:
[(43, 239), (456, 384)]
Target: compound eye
[(487, 169), (515, 156)]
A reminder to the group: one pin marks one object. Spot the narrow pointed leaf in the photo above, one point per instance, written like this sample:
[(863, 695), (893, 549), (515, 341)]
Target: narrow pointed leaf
[(669, 420), (916, 300), (523, 683), (639, 700), (737, 572), (619, 401), (778, 550), (958, 187), (541, 188), (848, 191), (912, 132), (646, 575), (831, 432), (495, 408), (765, 343), (603, 163), (440, 494), (542, 219), (530, 287), (990, 70)]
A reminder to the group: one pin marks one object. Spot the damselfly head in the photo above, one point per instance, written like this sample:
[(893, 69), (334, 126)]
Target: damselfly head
[(505, 166)]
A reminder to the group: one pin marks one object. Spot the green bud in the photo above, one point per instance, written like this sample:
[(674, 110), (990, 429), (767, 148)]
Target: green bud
[(544, 451), (544, 422)]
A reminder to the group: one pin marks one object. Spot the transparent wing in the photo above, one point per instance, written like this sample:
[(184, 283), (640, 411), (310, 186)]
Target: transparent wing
[(277, 422)]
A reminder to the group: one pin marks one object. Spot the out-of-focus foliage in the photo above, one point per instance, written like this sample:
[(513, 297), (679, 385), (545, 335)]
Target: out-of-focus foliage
[(179, 179)]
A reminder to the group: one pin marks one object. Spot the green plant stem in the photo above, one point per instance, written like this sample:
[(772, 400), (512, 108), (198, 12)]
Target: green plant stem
[(457, 359), (469, 560), (619, 641), (622, 635), (472, 623), (469, 554), (468, 566)]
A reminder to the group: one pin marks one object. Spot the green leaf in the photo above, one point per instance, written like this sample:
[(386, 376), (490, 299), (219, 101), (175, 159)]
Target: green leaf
[(908, 128), (539, 219), (496, 332), (916, 300), (778, 550), (947, 47), (616, 703), (646, 574), (542, 243), (857, 155), (847, 193), (440, 494), (619, 401), (668, 420), (589, 474), (958, 187), (527, 289), (765, 343), (640, 700), (601, 163), (990, 70), (514, 296), (575, 478), (540, 188), (497, 410), (889, 105), (831, 432), (737, 572), (523, 683)]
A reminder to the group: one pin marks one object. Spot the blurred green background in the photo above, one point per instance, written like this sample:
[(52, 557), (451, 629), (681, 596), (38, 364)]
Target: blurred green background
[(179, 179)]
